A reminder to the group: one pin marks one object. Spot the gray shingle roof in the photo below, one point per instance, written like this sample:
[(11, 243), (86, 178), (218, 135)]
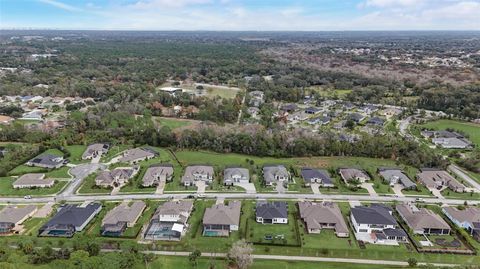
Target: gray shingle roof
[(421, 218), (223, 214), (310, 174), (316, 214), (373, 215), (271, 210), (13, 214), (124, 213)]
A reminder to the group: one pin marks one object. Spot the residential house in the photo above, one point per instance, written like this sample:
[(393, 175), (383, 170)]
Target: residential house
[(452, 143), (376, 121), (123, 216), (289, 108), (47, 161), (33, 181), (194, 173), (323, 120), (170, 221), (375, 224), (33, 115), (137, 155), (95, 150), (116, 177), (274, 174), (356, 117), (13, 216), (438, 179), (352, 174), (220, 219), (235, 175), (271, 212), (256, 98), (254, 112), (312, 110), (171, 90), (69, 219), (326, 215), (396, 176), (368, 109), (467, 218), (321, 177), (156, 174), (422, 220)]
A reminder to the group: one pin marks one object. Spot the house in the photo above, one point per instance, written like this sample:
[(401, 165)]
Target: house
[(438, 179), (194, 173), (235, 175), (256, 98), (33, 181), (13, 216), (468, 218), (348, 105), (137, 155), (396, 176), (289, 107), (117, 177), (368, 109), (375, 224), (273, 174), (353, 174), (47, 161), (297, 116), (95, 150), (69, 219), (170, 221), (422, 220), (312, 110), (157, 173), (271, 212), (123, 216), (33, 115), (220, 219), (326, 215), (5, 120), (452, 143), (321, 177), (323, 120), (171, 90), (356, 117), (376, 121), (391, 112)]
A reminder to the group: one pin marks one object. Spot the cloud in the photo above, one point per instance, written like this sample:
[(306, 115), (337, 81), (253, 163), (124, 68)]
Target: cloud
[(60, 5), (391, 3), (461, 11)]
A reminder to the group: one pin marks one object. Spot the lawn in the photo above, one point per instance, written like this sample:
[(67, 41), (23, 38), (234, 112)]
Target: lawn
[(461, 195), (61, 172), (32, 225), (76, 152), (147, 214), (6, 188), (113, 151), (172, 123), (24, 169), (472, 130), (95, 226), (89, 187)]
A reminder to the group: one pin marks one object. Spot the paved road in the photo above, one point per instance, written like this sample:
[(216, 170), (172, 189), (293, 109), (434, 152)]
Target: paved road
[(460, 173), (240, 196), (79, 173)]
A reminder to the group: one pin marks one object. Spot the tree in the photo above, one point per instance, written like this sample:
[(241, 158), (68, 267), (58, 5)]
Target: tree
[(78, 256), (194, 256), (241, 254), (412, 262)]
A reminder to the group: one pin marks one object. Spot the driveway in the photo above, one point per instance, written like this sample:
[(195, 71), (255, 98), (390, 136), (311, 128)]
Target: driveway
[(249, 187), (315, 188), (200, 186), (397, 189), (160, 187), (369, 188), (96, 159), (436, 193), (280, 188), (461, 174)]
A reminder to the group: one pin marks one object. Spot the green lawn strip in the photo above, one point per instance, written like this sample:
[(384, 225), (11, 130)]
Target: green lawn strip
[(172, 123), (56, 152), (95, 226), (6, 188), (32, 225), (61, 172), (76, 152), (89, 187), (24, 169), (472, 130), (447, 193)]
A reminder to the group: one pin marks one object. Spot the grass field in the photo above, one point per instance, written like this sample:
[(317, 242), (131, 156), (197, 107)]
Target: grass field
[(472, 130), (6, 188), (76, 152), (172, 123)]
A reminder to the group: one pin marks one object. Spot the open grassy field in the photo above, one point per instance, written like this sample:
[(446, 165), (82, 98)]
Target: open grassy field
[(472, 130), (172, 123), (76, 152), (6, 188)]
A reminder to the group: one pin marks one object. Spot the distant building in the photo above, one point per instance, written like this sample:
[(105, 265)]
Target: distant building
[(326, 215), (47, 161), (376, 121), (321, 177), (271, 212), (137, 155), (69, 220), (356, 117), (171, 90), (33, 181), (221, 219), (123, 216)]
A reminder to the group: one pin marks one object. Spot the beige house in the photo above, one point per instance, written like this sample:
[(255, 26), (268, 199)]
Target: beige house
[(33, 181), (326, 215), (13, 216), (422, 220), (438, 179), (117, 177), (137, 155), (157, 173), (121, 217), (353, 174)]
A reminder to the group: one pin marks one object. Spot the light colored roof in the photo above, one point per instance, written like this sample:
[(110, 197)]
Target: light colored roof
[(33, 179), (314, 214), (223, 214), (429, 177), (14, 214), (392, 174), (421, 218), (270, 171), (349, 174), (93, 148), (108, 177), (124, 213), (469, 214), (162, 172), (228, 173), (135, 154), (174, 208), (191, 170)]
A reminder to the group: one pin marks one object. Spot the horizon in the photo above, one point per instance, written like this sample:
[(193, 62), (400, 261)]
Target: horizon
[(241, 15)]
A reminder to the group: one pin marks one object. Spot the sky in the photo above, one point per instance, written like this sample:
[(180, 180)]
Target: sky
[(240, 15)]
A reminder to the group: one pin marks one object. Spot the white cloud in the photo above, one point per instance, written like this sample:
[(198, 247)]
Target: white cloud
[(391, 3), (60, 5)]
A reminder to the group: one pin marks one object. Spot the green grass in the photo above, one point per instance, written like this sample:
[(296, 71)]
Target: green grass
[(114, 151), (472, 130), (76, 152), (24, 169), (89, 187), (147, 214), (172, 123), (6, 188), (32, 225), (95, 225), (460, 195), (61, 172)]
